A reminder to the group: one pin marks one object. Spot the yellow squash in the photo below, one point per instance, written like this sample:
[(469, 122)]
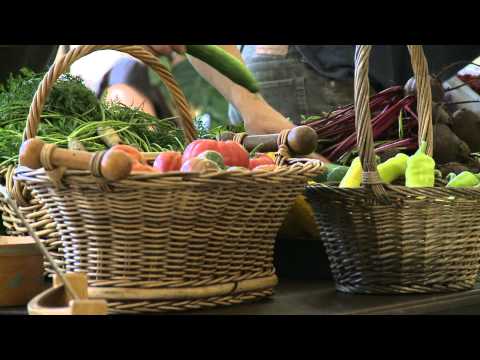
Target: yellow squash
[(300, 221), (353, 177)]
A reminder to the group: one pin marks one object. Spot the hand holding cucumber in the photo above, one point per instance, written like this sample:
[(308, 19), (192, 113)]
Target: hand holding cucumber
[(258, 116), (216, 57)]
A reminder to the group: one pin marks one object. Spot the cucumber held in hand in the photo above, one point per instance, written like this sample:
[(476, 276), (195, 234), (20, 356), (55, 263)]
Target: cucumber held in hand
[(228, 65)]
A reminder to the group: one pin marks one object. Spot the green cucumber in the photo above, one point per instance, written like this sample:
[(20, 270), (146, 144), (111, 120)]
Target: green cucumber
[(334, 173), (228, 65), (337, 173)]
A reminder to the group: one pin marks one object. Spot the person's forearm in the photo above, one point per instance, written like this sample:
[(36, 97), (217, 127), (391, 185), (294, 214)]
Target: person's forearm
[(259, 117)]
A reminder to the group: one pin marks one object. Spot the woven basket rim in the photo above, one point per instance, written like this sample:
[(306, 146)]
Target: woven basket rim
[(309, 169), (399, 191)]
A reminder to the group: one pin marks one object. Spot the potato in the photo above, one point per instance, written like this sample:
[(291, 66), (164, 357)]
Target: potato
[(447, 146), (466, 125)]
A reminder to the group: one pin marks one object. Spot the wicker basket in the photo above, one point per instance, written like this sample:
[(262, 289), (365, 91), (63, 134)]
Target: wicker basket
[(166, 242), (38, 217), (386, 239)]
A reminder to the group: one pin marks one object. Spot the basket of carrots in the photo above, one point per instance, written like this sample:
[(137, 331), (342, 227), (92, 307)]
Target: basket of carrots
[(168, 231), (396, 227)]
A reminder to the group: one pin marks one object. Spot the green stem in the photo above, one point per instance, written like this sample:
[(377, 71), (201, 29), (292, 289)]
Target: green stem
[(423, 147)]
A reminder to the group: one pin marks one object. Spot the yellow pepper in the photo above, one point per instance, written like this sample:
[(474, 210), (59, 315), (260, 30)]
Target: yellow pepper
[(464, 179), (420, 169), (389, 171), (300, 221), (353, 177), (271, 155), (393, 168)]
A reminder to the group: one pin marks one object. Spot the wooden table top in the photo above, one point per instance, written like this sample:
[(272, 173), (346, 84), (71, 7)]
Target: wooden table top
[(321, 298), (296, 297), (306, 288)]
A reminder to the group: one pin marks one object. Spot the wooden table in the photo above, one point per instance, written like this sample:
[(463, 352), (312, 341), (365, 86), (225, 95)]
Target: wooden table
[(306, 288), (296, 297), (306, 298)]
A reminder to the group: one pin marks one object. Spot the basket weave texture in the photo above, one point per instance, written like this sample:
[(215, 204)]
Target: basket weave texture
[(167, 242), (387, 239)]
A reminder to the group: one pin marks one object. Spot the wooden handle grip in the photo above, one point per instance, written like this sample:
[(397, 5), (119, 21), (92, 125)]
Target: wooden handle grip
[(302, 140), (114, 165)]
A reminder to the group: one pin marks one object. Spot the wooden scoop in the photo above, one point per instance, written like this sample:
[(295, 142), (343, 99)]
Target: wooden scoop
[(302, 140), (57, 301), (114, 165)]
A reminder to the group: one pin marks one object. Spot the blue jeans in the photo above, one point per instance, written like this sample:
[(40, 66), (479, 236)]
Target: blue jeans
[(292, 87)]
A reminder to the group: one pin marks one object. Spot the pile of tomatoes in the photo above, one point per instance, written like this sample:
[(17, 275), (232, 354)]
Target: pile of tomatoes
[(200, 156)]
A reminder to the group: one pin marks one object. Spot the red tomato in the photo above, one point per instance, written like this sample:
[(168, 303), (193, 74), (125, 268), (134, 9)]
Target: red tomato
[(130, 151), (199, 165), (168, 161), (260, 159), (139, 167), (233, 153), (197, 147)]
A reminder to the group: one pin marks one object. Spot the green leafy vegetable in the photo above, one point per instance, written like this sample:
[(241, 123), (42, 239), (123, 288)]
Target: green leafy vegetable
[(73, 112)]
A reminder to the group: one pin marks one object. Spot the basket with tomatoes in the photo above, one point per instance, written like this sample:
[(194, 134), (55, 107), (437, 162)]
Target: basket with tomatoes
[(182, 231), (200, 156)]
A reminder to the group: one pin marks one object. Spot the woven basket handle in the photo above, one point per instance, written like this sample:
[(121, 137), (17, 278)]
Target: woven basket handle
[(363, 122), (64, 62)]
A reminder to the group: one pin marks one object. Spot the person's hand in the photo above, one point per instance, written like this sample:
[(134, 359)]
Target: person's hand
[(266, 123), (260, 118), (166, 49), (263, 119)]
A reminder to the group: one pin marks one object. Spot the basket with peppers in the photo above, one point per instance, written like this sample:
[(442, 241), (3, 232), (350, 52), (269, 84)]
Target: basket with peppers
[(417, 170), (395, 225)]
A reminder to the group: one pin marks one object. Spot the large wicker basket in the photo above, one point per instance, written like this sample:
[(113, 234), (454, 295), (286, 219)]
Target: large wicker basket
[(386, 239), (166, 242)]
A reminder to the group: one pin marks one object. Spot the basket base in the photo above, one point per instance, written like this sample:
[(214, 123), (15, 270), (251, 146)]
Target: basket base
[(405, 290), (158, 307), (162, 300)]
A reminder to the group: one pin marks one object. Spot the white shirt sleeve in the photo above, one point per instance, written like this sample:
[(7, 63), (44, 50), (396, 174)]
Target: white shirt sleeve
[(93, 67)]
